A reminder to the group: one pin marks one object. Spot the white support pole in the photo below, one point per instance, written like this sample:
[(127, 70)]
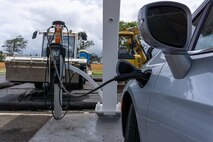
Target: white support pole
[(111, 13)]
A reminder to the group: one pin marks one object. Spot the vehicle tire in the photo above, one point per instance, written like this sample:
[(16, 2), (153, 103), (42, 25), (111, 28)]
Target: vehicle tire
[(131, 131), (81, 83), (38, 85)]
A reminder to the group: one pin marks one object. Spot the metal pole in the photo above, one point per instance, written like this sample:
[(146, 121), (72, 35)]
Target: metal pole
[(57, 104), (58, 94), (111, 12)]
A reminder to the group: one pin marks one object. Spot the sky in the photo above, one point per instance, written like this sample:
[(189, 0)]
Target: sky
[(23, 17)]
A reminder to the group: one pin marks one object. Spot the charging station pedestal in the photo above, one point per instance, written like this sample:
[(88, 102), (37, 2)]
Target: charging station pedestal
[(111, 12), (57, 102), (56, 53)]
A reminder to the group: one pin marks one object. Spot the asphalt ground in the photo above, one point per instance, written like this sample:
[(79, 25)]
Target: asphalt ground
[(25, 97), (21, 126)]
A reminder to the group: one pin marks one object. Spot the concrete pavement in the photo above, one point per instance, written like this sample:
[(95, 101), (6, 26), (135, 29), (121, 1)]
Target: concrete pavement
[(81, 127), (76, 126)]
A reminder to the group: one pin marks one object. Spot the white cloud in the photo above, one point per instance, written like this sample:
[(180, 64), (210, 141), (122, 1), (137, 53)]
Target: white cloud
[(129, 8), (25, 16)]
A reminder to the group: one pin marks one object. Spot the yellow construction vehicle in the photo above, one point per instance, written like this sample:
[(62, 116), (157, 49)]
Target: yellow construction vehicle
[(131, 48)]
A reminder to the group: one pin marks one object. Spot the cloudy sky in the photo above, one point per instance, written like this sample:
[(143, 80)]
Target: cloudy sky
[(23, 17)]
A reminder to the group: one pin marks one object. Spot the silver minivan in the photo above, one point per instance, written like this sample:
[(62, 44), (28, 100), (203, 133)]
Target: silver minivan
[(175, 104)]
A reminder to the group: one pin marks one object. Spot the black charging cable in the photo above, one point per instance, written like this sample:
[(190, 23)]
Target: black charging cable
[(141, 77)]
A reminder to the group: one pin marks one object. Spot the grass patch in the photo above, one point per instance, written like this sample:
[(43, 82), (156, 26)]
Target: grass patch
[(2, 71), (97, 73)]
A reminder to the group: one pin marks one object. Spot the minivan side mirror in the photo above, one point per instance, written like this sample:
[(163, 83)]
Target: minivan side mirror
[(84, 36), (167, 26), (34, 34)]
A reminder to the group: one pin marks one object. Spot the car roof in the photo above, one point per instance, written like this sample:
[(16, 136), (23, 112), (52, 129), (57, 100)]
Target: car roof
[(199, 9)]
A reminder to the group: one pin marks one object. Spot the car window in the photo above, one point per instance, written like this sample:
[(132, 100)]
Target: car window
[(205, 40), (65, 44), (195, 22)]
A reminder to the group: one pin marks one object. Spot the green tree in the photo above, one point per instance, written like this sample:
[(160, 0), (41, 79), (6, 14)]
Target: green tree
[(125, 25), (2, 56), (94, 57), (15, 45), (86, 44)]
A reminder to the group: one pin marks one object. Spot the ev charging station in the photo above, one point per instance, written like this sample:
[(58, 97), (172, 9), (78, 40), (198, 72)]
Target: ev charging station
[(109, 105), (56, 55)]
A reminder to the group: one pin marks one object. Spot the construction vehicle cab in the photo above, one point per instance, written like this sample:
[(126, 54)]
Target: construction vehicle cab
[(130, 44)]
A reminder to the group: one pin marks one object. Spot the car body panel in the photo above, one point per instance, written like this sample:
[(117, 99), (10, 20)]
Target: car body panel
[(181, 109), (178, 116), (140, 96)]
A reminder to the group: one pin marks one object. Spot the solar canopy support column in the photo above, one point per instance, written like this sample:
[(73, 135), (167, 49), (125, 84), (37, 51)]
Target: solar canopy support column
[(111, 14)]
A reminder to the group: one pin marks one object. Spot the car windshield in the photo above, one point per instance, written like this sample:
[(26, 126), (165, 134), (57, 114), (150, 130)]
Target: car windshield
[(65, 44), (125, 40)]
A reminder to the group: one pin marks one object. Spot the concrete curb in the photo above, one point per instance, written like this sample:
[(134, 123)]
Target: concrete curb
[(8, 84), (18, 106)]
